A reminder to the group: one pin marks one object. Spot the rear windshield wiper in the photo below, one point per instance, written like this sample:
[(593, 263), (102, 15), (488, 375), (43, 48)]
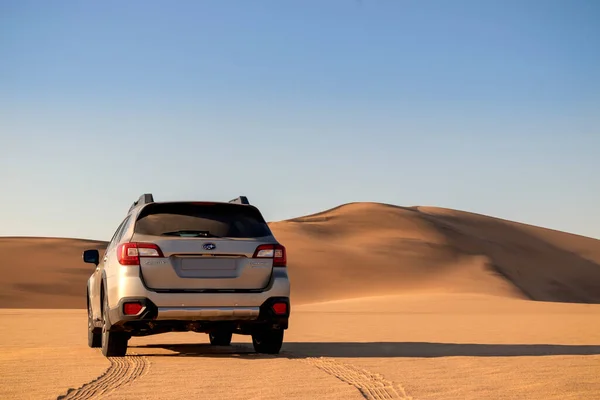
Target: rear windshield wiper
[(190, 233)]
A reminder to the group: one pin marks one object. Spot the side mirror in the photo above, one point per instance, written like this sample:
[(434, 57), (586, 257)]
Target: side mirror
[(91, 256)]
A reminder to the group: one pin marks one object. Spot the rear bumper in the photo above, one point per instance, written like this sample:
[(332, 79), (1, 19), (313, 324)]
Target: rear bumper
[(153, 319), (162, 307)]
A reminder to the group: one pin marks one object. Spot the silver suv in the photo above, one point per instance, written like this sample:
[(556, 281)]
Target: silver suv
[(212, 267)]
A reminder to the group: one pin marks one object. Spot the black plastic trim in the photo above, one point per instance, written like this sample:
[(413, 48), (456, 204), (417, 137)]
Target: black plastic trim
[(240, 200), (149, 310), (268, 316), (266, 310)]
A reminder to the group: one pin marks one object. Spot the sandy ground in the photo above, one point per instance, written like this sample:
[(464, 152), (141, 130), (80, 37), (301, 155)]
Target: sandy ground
[(427, 346)]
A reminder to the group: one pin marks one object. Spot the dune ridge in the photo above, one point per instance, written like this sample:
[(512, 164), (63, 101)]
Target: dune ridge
[(359, 250), (436, 249)]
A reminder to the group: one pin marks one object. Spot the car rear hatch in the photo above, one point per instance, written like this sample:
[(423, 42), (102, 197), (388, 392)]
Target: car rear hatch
[(205, 246)]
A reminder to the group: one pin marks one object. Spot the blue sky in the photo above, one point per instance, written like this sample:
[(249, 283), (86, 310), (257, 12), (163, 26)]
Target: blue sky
[(485, 106)]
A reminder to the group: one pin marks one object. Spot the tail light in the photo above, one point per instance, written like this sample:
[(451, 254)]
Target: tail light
[(130, 253), (274, 251), (132, 308), (280, 308)]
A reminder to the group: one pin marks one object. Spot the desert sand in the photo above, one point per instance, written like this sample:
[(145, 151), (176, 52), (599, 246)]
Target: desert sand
[(44, 272), (388, 303)]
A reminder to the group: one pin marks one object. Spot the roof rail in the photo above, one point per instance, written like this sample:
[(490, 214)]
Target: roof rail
[(146, 198), (240, 200)]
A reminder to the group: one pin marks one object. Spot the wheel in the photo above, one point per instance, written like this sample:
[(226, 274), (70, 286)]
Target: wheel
[(94, 337), (114, 344), (220, 338), (268, 341)]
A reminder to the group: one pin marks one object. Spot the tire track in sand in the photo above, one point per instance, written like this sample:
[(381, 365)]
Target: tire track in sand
[(371, 386), (121, 372)]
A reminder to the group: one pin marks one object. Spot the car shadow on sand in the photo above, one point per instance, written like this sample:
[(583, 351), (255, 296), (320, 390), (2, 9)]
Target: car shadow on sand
[(372, 350)]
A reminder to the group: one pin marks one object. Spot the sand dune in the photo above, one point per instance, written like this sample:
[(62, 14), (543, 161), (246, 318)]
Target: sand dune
[(44, 272), (358, 250), (365, 249), (544, 264)]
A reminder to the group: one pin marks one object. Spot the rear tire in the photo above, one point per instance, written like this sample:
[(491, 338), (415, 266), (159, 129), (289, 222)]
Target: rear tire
[(94, 337), (114, 344), (219, 338), (268, 341)]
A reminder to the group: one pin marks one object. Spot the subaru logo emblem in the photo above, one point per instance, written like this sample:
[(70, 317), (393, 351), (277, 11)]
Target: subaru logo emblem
[(209, 246)]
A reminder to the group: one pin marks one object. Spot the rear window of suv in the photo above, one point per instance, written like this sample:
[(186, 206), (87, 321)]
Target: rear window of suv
[(186, 219)]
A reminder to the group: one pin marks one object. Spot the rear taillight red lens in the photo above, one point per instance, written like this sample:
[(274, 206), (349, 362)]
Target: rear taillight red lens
[(130, 253), (274, 251), (280, 308), (132, 308)]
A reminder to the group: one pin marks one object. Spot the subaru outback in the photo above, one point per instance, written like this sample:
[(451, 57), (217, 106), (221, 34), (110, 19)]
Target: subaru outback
[(207, 267)]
